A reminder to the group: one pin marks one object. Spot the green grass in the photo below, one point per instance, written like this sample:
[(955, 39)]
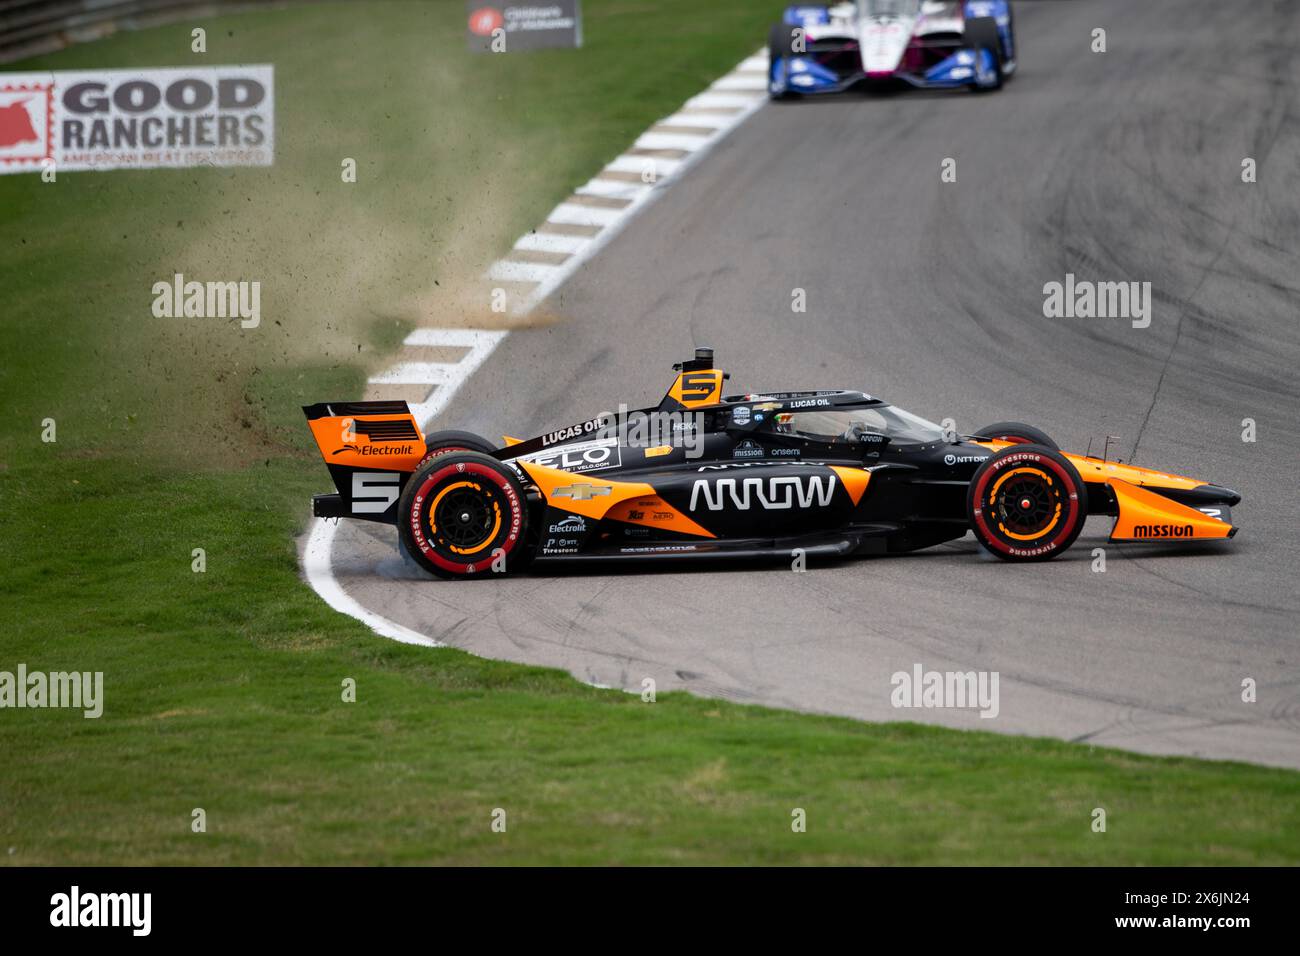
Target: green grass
[(223, 688)]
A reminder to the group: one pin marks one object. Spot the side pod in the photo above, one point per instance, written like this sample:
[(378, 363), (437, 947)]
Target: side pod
[(1147, 516)]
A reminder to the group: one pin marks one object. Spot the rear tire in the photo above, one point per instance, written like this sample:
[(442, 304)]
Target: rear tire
[(439, 443), (1017, 433), (1026, 503), (463, 514)]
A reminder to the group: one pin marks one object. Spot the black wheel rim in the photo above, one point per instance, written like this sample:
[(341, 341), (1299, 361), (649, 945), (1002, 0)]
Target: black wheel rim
[(1026, 505), (464, 518)]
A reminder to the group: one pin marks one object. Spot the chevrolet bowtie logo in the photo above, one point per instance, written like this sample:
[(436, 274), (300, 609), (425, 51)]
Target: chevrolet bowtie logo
[(581, 492)]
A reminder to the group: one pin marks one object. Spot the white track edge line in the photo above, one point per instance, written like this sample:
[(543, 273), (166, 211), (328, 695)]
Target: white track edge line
[(320, 575)]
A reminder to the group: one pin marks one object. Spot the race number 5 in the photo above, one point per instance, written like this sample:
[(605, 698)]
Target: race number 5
[(373, 492)]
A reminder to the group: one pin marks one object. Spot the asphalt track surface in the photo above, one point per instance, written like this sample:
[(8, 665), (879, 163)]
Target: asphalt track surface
[(1117, 166)]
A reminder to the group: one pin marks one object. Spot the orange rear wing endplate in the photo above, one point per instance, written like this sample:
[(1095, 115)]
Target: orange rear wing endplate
[(1147, 516), (371, 448)]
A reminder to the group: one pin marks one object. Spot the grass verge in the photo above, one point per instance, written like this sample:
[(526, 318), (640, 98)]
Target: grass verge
[(223, 689)]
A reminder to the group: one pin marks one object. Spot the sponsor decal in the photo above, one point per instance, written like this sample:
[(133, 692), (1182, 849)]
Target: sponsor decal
[(740, 415), (581, 491), (722, 466), (575, 431), (137, 118), (658, 548), (748, 449), (507, 27), (808, 403), (560, 545), (1163, 531), (587, 456), (484, 20), (658, 451), (574, 524), (951, 459), (369, 450), (773, 494)]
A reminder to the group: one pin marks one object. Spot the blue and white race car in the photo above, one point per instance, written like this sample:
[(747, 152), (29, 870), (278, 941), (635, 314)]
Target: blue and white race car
[(827, 49)]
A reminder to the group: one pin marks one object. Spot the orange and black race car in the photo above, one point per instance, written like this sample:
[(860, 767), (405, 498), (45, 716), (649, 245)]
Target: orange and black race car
[(703, 476)]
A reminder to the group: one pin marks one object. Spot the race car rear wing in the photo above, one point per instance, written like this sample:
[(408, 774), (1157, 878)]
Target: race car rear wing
[(371, 449)]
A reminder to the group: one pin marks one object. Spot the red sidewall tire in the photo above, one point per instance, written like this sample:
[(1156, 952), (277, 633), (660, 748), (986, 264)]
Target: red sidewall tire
[(497, 486), (1073, 500)]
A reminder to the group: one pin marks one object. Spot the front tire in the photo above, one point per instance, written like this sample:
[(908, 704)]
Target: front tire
[(780, 46), (463, 514), (981, 33), (1026, 503)]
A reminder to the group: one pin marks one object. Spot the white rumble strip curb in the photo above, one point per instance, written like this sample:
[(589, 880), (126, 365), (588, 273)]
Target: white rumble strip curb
[(538, 264)]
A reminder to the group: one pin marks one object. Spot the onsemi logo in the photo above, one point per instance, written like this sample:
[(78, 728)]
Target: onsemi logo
[(78, 690), (1084, 299), (1162, 531), (208, 300), (963, 690), (772, 493), (74, 908)]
